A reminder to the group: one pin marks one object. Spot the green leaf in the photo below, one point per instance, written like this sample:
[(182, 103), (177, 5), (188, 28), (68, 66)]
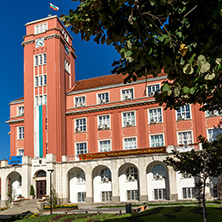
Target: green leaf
[(128, 53), (186, 90), (201, 60), (209, 76), (205, 67), (218, 61), (165, 87), (192, 90), (192, 58), (176, 92), (188, 69)]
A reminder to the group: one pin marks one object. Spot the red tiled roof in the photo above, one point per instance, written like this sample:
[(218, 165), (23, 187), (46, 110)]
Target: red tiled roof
[(104, 81), (19, 99)]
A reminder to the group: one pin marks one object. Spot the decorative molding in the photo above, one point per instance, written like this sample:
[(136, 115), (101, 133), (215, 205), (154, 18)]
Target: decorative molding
[(16, 101), (15, 121), (110, 107), (28, 42)]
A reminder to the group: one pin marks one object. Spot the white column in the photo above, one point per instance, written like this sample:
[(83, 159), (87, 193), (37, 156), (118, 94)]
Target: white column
[(115, 181), (26, 176), (142, 179), (172, 181), (89, 182)]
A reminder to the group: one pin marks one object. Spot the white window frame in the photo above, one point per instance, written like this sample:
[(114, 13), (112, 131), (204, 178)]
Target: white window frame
[(81, 180), (134, 195), (187, 190), (40, 28), (37, 59), (131, 96), (159, 173), (107, 196), (103, 125), (36, 81), (44, 80), (67, 66), (163, 195), (18, 152), (180, 145), (79, 104), (20, 135), (20, 111), (208, 134), (126, 138), (99, 145), (152, 92), (156, 118), (80, 126), (77, 155), (102, 101), (160, 134), (183, 113), (82, 197), (125, 125)]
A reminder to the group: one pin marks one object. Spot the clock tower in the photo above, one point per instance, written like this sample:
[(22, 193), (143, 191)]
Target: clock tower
[(49, 72)]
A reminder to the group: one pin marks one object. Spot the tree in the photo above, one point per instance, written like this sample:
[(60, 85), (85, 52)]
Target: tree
[(203, 164), (181, 37)]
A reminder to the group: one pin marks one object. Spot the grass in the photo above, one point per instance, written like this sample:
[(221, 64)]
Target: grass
[(158, 214)]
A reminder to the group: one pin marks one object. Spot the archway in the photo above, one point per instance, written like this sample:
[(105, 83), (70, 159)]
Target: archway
[(129, 182), (14, 185), (102, 184), (77, 185), (40, 181)]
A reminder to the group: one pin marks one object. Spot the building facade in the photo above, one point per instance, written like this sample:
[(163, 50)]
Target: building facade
[(105, 140)]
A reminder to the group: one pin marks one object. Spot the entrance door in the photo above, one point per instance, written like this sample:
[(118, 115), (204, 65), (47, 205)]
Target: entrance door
[(40, 185)]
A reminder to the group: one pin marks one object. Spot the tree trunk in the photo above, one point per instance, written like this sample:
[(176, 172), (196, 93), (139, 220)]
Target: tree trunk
[(204, 205)]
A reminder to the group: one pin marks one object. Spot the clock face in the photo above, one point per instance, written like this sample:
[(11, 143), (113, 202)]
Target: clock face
[(39, 42)]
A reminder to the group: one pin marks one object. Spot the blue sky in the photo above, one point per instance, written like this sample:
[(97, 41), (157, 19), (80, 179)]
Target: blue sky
[(92, 59)]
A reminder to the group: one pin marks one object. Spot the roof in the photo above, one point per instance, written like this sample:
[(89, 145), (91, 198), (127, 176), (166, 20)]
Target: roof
[(104, 81)]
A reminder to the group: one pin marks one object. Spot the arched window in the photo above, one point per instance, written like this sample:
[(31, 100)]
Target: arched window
[(41, 173), (81, 176), (131, 173), (159, 171), (106, 175)]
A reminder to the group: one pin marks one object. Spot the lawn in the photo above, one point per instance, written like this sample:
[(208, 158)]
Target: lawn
[(158, 214)]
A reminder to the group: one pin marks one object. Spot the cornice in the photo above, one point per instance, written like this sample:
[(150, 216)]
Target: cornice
[(15, 121), (28, 42), (99, 108), (16, 102)]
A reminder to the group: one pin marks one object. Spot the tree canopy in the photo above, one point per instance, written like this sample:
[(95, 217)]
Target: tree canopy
[(183, 37)]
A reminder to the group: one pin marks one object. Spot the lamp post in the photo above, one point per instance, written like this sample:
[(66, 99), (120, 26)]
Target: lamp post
[(50, 170)]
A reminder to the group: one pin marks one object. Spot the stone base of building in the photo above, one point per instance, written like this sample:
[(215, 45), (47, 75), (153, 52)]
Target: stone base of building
[(173, 196), (89, 200), (116, 198), (143, 197)]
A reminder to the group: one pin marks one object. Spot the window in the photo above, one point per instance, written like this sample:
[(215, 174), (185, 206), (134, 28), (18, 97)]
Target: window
[(104, 122), (41, 28), (66, 49), (104, 146), (45, 99), (40, 100), (80, 101), (21, 132), (106, 175), (132, 195), (81, 125), (215, 191), (152, 89), (20, 110), (44, 80), (155, 116), (106, 196), (214, 133), (81, 176), (20, 152), (66, 37), (160, 194), (40, 80), (129, 143), (67, 66), (131, 173), (20, 181), (81, 148), (188, 193), (103, 98), (212, 113), (185, 138), (81, 196), (36, 81), (129, 119), (40, 59), (156, 140), (127, 94), (158, 171), (183, 113), (36, 100)]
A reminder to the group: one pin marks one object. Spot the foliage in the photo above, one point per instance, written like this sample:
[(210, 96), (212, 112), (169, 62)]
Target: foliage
[(204, 163), (199, 191), (32, 191), (54, 198), (181, 37)]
